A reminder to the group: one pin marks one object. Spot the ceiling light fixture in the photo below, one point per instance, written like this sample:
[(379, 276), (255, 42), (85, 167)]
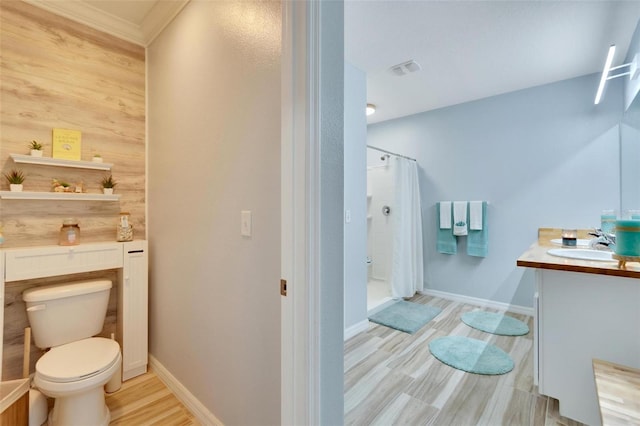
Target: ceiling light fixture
[(632, 73), (371, 109)]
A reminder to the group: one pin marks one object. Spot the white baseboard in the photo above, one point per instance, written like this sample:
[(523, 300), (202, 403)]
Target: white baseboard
[(516, 309), (363, 325), (199, 411), (385, 303), (356, 329)]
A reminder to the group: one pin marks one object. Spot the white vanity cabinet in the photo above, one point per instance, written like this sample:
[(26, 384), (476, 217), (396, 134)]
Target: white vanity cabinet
[(129, 258), (582, 316), (50, 261)]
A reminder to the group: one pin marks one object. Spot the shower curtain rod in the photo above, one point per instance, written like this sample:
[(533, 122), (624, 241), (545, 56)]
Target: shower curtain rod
[(391, 153)]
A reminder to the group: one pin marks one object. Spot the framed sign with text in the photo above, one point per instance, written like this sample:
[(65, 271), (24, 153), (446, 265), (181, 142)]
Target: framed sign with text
[(67, 144)]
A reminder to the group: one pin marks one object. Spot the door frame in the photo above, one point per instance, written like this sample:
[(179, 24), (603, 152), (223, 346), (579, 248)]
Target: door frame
[(299, 399), (311, 333)]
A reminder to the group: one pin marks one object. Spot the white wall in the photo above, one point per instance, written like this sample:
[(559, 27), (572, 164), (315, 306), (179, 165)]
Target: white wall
[(380, 234), (542, 157), (355, 187), (214, 150)]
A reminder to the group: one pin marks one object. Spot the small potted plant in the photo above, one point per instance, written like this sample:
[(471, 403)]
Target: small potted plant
[(97, 158), (36, 148), (60, 186), (15, 179), (108, 183)]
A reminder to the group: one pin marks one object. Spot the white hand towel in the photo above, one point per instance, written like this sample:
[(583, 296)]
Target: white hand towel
[(445, 214), (459, 218), (475, 215)]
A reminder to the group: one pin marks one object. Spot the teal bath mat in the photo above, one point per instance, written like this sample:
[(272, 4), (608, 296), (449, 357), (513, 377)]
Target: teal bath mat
[(405, 316), (471, 355), (495, 323)]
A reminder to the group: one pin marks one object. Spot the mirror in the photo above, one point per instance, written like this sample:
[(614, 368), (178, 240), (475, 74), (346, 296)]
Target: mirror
[(630, 157), (630, 140)]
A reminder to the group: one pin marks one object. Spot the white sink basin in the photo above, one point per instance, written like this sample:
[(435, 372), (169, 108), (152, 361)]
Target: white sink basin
[(582, 254)]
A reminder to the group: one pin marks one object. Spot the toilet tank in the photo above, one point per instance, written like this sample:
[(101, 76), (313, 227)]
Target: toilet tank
[(64, 313)]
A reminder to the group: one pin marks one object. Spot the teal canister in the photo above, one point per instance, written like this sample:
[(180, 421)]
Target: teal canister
[(608, 221), (628, 238)]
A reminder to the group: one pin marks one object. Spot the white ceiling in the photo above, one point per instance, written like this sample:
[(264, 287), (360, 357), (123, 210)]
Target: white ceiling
[(468, 50), (133, 12), (138, 21)]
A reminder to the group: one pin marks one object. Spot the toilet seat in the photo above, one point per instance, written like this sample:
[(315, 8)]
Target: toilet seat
[(78, 360)]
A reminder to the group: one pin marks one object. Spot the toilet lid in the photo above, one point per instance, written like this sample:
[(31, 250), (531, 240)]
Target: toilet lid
[(78, 360)]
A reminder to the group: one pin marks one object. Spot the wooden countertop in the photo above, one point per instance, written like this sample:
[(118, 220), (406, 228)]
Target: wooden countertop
[(12, 391), (537, 257), (618, 389)]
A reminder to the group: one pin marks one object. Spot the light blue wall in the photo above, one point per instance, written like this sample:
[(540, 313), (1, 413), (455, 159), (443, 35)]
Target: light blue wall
[(542, 157), (355, 188), (331, 175)]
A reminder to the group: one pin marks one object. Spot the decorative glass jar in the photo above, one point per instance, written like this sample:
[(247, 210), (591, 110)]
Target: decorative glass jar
[(69, 233), (125, 228)]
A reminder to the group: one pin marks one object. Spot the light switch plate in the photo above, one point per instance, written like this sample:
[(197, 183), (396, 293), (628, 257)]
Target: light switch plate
[(245, 223)]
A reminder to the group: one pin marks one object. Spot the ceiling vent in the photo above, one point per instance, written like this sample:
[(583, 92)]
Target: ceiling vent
[(405, 68)]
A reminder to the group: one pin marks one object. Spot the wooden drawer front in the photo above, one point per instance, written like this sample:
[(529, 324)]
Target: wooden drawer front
[(40, 262)]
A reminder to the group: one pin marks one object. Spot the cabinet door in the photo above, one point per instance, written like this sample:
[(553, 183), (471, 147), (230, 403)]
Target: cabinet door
[(584, 316), (134, 309)]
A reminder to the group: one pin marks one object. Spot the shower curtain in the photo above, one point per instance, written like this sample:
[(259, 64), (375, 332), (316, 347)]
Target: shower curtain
[(407, 270)]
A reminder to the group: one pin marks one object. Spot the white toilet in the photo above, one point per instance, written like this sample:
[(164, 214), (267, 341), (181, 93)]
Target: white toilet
[(75, 370)]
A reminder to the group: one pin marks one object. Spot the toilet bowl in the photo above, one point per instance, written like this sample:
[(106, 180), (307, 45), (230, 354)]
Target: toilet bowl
[(77, 366), (75, 374)]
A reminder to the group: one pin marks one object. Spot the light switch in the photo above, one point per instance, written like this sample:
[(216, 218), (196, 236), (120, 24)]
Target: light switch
[(347, 216), (245, 223)]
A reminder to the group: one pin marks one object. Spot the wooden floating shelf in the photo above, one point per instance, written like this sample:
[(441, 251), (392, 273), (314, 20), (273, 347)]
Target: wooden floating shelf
[(61, 196), (59, 162)]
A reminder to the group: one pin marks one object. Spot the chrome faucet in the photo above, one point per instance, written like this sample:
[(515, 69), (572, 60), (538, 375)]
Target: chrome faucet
[(602, 240)]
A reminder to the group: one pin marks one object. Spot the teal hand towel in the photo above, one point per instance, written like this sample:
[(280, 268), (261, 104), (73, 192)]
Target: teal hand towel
[(446, 242), (478, 240)]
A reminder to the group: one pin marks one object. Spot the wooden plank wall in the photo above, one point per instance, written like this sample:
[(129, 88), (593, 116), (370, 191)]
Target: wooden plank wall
[(57, 73)]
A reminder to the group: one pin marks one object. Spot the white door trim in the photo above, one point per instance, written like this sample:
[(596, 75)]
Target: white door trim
[(312, 191), (299, 189)]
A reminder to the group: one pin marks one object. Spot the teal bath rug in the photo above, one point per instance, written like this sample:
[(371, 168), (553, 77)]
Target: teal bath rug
[(471, 355), (405, 316), (495, 323)]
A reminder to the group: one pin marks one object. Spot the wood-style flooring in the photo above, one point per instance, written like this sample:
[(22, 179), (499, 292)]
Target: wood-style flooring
[(145, 400), (391, 378)]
